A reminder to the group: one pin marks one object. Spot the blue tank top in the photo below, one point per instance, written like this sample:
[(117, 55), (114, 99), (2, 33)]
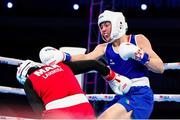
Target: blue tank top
[(130, 68)]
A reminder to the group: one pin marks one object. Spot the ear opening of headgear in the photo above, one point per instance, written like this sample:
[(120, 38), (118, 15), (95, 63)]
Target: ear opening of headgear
[(117, 20)]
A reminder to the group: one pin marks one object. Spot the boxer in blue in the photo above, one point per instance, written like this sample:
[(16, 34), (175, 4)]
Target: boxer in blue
[(128, 55)]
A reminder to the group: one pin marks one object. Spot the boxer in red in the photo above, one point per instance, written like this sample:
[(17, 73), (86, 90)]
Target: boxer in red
[(57, 88), (54, 91)]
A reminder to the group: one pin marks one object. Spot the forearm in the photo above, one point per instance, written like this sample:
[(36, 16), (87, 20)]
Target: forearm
[(94, 55), (79, 57), (79, 67), (155, 65)]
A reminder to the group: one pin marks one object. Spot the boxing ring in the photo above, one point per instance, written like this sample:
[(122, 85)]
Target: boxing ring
[(95, 97), (99, 97)]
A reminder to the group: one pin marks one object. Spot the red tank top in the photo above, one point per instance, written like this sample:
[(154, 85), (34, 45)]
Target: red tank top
[(54, 82)]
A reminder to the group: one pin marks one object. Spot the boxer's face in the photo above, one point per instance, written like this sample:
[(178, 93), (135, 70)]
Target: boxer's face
[(105, 29)]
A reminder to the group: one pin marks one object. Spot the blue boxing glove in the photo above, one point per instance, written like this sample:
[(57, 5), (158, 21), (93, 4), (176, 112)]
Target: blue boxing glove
[(129, 50)]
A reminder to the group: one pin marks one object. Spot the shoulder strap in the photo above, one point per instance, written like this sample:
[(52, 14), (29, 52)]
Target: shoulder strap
[(132, 39)]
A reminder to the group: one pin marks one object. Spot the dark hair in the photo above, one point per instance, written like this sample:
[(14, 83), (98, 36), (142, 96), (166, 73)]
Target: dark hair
[(32, 69)]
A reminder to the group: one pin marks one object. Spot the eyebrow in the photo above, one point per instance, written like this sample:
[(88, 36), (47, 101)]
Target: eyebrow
[(105, 22)]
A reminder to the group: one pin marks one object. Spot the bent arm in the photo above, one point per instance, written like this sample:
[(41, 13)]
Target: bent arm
[(155, 63)]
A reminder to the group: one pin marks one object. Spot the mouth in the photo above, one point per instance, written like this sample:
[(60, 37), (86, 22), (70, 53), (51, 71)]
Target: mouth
[(107, 39), (106, 36)]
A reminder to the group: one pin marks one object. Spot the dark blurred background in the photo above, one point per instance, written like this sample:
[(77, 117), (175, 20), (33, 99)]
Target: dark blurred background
[(28, 25)]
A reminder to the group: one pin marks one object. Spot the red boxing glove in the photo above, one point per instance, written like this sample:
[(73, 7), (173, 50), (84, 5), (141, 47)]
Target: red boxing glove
[(118, 83)]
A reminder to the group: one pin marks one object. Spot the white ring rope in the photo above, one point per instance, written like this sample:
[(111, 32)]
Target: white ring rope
[(172, 66), (157, 97), (99, 97), (15, 61), (12, 90)]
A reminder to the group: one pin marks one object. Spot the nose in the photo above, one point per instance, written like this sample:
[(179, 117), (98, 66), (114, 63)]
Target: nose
[(103, 28)]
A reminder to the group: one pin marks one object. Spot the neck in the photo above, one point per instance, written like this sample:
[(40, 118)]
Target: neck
[(122, 39), (116, 42)]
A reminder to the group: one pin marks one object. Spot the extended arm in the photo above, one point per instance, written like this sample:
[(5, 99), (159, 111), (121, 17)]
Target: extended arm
[(79, 67), (93, 55)]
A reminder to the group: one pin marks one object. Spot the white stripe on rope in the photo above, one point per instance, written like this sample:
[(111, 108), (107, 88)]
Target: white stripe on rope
[(12, 90), (172, 66), (157, 97), (14, 118), (99, 97), (10, 61)]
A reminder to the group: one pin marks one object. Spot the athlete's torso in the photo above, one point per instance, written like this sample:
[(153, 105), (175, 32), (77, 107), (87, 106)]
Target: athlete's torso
[(54, 82), (130, 68)]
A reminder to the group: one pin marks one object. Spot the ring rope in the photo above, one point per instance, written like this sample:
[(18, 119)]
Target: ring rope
[(15, 61), (172, 66), (98, 97)]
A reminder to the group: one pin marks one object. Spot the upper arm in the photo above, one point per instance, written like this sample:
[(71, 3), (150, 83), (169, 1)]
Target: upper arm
[(145, 45), (95, 54)]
